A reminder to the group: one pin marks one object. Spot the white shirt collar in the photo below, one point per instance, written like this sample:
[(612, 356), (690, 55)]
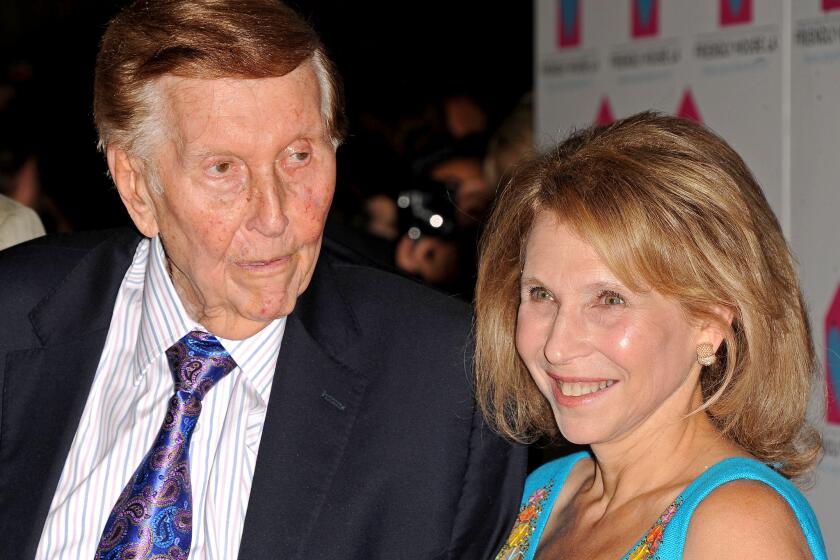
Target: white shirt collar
[(164, 321)]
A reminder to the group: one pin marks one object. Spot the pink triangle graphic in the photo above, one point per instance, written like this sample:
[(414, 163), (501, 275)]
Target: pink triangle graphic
[(832, 326), (605, 114), (688, 108)]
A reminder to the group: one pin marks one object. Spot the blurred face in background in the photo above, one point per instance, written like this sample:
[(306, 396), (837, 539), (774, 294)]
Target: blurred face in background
[(472, 192), (246, 174)]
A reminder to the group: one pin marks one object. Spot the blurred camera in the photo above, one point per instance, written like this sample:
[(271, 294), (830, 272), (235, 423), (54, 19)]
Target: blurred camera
[(427, 209)]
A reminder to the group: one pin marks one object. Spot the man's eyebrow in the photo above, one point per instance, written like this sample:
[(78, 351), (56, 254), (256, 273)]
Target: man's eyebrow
[(200, 154)]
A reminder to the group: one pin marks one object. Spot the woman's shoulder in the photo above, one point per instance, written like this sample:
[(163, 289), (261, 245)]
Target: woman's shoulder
[(740, 508), (742, 519)]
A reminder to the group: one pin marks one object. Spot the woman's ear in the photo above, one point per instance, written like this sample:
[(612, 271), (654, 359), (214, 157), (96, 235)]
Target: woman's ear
[(713, 331), (127, 173)]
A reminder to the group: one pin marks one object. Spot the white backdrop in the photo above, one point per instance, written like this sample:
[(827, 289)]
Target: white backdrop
[(764, 74)]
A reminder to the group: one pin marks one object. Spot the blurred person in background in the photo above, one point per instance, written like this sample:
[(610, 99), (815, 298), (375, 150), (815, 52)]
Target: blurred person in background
[(450, 171), (469, 175), (364, 212), (19, 187), (636, 295), (463, 115), (17, 223), (440, 145), (512, 142), (27, 208)]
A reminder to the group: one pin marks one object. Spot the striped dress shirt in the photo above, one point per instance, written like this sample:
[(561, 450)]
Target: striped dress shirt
[(125, 409)]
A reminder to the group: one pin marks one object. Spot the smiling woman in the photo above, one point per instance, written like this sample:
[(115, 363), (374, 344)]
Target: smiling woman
[(588, 340), (636, 295)]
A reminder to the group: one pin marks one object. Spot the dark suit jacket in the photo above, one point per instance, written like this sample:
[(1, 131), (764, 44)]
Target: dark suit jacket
[(372, 446)]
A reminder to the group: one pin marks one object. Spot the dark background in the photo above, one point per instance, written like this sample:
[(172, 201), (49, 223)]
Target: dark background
[(394, 57)]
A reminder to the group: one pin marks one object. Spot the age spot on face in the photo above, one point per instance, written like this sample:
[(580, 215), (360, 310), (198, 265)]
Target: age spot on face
[(244, 231)]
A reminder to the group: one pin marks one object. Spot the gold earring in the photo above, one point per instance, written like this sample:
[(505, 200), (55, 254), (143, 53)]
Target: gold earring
[(706, 354)]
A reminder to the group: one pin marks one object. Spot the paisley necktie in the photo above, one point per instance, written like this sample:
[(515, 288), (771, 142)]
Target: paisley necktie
[(153, 516)]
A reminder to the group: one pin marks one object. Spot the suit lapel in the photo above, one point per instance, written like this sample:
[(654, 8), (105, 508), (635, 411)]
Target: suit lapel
[(46, 388), (315, 399)]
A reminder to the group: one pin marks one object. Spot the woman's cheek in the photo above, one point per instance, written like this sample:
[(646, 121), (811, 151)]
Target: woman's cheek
[(619, 338)]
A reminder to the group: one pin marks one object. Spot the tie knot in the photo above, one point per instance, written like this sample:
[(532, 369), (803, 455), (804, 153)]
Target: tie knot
[(197, 362)]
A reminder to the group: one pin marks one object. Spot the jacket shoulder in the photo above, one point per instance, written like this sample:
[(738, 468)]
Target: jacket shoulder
[(388, 298), (32, 270), (37, 264)]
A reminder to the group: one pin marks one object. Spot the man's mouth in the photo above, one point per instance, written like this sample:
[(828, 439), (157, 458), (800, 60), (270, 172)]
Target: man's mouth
[(266, 264)]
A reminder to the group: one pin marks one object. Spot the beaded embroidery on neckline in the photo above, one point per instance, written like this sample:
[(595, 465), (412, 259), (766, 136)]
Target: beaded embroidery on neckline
[(646, 547), (519, 541)]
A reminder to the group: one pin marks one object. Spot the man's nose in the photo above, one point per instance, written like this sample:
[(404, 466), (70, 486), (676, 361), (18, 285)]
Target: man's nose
[(567, 338), (269, 203)]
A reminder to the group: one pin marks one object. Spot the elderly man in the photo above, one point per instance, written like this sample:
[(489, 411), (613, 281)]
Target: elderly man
[(214, 388)]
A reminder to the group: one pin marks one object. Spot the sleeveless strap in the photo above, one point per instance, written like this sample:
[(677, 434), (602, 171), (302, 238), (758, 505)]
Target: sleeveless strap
[(728, 470), (549, 479)]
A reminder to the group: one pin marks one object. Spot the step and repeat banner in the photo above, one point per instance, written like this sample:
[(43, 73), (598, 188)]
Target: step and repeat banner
[(765, 75)]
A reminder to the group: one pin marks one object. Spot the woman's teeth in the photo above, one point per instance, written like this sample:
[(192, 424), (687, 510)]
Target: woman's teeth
[(579, 389)]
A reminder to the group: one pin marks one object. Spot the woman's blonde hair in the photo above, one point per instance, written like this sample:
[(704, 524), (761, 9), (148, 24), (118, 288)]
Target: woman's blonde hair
[(671, 207)]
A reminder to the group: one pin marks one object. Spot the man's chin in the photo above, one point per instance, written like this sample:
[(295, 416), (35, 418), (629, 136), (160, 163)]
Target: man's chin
[(244, 318), (270, 310)]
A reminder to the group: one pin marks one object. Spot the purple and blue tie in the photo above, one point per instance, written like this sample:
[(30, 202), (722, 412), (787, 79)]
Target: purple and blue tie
[(152, 518)]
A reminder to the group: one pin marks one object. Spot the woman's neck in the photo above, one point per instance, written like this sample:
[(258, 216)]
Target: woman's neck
[(667, 451)]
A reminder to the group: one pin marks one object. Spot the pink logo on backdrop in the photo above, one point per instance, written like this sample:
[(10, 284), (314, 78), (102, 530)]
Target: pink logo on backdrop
[(688, 108), (645, 15), (568, 23), (735, 12), (605, 114), (832, 362), (828, 5)]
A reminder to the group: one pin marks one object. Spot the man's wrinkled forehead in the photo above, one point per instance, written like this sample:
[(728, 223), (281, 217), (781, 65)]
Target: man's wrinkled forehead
[(200, 109)]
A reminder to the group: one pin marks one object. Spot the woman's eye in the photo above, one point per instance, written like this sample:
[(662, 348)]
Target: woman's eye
[(539, 293), (300, 156), (611, 298)]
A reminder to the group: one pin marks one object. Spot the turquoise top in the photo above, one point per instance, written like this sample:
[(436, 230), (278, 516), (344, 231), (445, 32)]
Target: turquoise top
[(666, 539)]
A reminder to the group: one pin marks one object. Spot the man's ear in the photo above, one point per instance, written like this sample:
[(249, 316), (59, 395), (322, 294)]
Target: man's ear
[(133, 189)]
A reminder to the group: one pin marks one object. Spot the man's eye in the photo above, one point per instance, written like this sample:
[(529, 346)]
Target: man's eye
[(608, 297), (297, 154), (538, 293), (220, 168)]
